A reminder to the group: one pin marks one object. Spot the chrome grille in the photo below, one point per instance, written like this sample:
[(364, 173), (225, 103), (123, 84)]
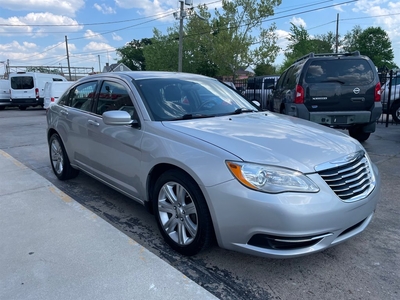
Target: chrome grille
[(351, 180)]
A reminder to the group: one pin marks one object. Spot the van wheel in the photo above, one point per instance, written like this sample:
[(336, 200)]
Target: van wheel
[(22, 107), (359, 134), (2, 107), (59, 159), (181, 213), (396, 112)]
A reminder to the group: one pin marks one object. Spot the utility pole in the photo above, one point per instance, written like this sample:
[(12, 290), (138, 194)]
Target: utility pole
[(337, 33), (69, 67), (181, 11), (182, 14), (99, 63)]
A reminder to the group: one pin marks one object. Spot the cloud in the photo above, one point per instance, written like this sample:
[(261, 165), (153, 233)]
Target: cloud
[(64, 7), (107, 10), (150, 8), (95, 46), (298, 22), (91, 35), (116, 37), (26, 24)]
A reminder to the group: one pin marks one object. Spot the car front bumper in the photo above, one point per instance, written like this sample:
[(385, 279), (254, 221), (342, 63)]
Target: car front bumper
[(287, 224)]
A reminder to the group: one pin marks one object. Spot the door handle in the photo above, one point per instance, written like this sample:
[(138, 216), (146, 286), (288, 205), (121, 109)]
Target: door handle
[(91, 122), (64, 112)]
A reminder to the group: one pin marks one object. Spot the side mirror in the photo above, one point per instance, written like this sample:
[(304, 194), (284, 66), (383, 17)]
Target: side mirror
[(117, 117)]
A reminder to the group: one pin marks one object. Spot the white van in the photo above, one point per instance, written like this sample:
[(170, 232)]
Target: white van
[(27, 88), (4, 93), (53, 90)]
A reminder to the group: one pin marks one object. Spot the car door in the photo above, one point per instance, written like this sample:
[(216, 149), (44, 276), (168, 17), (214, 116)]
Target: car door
[(115, 153), (74, 112)]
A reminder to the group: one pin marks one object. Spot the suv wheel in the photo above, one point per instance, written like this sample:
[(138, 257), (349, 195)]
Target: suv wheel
[(359, 134), (396, 112)]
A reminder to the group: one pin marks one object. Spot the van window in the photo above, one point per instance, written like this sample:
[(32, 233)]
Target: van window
[(22, 83), (57, 79)]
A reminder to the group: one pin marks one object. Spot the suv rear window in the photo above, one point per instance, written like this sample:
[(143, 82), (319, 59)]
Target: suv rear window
[(344, 71), (22, 82)]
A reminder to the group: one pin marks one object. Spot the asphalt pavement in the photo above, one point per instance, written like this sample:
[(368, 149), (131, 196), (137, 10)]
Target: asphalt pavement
[(51, 247)]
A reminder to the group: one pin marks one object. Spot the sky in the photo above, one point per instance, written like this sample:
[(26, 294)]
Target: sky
[(35, 32)]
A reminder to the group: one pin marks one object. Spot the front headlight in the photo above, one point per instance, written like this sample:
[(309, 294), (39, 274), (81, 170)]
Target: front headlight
[(271, 179)]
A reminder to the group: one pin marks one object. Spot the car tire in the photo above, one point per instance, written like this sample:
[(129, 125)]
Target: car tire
[(22, 107), (396, 112), (359, 134), (182, 213), (59, 159), (2, 107)]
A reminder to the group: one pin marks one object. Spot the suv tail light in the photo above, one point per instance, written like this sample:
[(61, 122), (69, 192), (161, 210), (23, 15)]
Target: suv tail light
[(52, 99), (378, 92), (37, 93), (299, 98)]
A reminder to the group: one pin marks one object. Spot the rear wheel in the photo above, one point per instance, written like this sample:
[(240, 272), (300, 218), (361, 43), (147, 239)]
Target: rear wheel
[(22, 107), (2, 107), (181, 213), (396, 112), (59, 159), (359, 134)]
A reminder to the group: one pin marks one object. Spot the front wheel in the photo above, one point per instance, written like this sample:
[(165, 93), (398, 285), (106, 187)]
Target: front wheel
[(181, 213), (59, 159), (359, 134), (396, 112), (21, 107)]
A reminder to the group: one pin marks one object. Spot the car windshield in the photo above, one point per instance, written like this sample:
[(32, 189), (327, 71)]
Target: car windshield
[(177, 99)]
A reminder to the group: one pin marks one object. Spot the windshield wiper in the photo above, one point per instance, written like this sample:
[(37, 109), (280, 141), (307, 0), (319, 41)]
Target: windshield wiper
[(240, 110), (194, 116), (333, 80)]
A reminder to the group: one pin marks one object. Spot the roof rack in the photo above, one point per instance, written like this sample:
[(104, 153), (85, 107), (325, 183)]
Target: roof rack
[(312, 54)]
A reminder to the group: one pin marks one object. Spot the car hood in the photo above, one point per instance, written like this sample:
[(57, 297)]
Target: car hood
[(272, 139)]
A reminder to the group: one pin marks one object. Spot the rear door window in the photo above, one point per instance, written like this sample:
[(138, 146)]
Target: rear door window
[(22, 82)]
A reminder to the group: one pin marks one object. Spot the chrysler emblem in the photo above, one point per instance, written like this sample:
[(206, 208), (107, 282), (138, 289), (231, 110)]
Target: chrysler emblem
[(356, 90)]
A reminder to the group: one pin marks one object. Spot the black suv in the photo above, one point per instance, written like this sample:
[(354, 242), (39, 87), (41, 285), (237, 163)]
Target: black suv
[(340, 90)]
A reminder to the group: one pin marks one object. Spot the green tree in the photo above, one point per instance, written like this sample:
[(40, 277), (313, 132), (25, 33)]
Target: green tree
[(301, 44), (375, 43), (351, 39), (132, 54), (219, 45), (162, 53), (265, 69)]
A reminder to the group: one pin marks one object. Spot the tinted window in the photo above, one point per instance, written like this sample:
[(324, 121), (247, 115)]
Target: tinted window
[(268, 83), (22, 83), (114, 96), (57, 79), (345, 71), (82, 96)]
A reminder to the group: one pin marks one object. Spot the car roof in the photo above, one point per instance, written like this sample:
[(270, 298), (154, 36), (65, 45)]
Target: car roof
[(145, 75)]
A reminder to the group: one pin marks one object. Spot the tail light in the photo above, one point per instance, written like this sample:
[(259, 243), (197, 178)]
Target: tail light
[(52, 99), (37, 93), (378, 92), (299, 98)]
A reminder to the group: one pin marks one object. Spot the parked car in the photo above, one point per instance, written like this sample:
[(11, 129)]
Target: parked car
[(4, 93), (260, 183), (27, 88), (259, 90), (53, 90), (340, 90), (394, 97)]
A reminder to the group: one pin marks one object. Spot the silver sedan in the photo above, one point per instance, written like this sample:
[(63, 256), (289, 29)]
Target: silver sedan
[(210, 166)]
